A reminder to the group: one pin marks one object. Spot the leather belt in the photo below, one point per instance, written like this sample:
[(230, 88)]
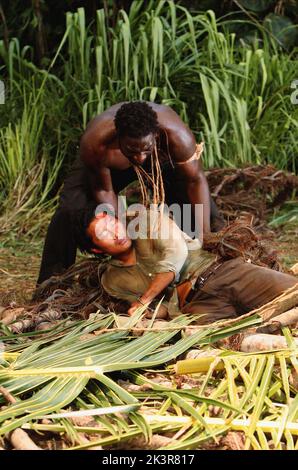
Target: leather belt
[(203, 278)]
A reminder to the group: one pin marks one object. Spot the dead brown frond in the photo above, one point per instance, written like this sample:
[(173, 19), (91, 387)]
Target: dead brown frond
[(248, 189), (240, 239)]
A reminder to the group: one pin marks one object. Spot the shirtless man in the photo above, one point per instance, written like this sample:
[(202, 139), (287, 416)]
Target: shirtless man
[(114, 143)]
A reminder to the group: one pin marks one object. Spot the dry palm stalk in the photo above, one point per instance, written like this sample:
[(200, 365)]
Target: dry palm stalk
[(294, 269), (21, 441), (199, 353), (7, 395), (276, 323), (18, 438), (10, 314), (278, 313), (263, 342)]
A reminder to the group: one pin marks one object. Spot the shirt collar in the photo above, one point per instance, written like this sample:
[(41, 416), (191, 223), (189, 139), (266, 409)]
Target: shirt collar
[(120, 264)]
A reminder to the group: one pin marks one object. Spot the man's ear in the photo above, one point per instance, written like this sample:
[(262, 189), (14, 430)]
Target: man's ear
[(96, 250)]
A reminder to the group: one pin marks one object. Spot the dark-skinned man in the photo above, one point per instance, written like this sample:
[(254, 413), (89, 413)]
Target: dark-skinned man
[(114, 145)]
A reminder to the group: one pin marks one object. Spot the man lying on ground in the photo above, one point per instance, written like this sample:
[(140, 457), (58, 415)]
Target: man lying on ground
[(170, 265)]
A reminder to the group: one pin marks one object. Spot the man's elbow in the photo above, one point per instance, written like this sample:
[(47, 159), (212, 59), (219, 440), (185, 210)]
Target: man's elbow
[(195, 181), (199, 176)]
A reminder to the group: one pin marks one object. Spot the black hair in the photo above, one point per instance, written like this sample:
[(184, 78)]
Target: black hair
[(80, 221), (136, 119)]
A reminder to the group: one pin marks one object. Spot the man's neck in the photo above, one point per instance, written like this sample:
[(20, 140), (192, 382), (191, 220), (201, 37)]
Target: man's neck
[(128, 257)]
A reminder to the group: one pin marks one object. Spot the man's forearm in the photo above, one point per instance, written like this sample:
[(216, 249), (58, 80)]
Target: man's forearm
[(106, 197), (158, 284)]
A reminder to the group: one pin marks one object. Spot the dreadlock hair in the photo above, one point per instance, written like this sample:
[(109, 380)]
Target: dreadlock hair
[(80, 221), (136, 119)]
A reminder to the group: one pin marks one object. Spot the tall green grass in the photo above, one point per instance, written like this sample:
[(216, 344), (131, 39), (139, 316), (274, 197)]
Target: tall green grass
[(27, 174), (234, 95)]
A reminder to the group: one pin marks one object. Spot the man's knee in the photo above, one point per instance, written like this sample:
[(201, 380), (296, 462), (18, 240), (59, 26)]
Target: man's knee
[(283, 281), (273, 283)]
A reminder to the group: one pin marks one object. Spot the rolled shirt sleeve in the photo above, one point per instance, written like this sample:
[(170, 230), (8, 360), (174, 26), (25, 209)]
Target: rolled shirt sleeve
[(174, 254), (169, 247), (124, 283)]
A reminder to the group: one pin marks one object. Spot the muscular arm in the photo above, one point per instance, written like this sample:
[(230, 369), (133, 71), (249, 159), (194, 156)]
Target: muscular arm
[(182, 146), (99, 174), (101, 186)]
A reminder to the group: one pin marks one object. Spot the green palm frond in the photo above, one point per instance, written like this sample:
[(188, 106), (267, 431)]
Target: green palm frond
[(250, 391), (258, 385)]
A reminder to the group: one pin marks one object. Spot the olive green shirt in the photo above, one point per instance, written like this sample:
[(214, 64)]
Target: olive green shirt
[(167, 250)]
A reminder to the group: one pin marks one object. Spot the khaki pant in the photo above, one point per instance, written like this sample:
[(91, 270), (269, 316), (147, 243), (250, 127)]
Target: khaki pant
[(236, 288)]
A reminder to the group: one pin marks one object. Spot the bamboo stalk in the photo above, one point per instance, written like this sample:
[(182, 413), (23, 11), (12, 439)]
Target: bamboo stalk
[(202, 364), (236, 424)]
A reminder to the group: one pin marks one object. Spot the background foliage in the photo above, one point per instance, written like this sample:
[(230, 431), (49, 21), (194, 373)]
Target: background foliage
[(232, 89)]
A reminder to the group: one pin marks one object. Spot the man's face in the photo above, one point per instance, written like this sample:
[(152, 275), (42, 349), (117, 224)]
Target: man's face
[(108, 234), (137, 149)]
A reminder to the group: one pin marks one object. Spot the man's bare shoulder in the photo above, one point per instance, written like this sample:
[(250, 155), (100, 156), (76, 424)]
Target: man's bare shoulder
[(179, 136), (165, 114), (171, 122), (98, 135), (103, 123)]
